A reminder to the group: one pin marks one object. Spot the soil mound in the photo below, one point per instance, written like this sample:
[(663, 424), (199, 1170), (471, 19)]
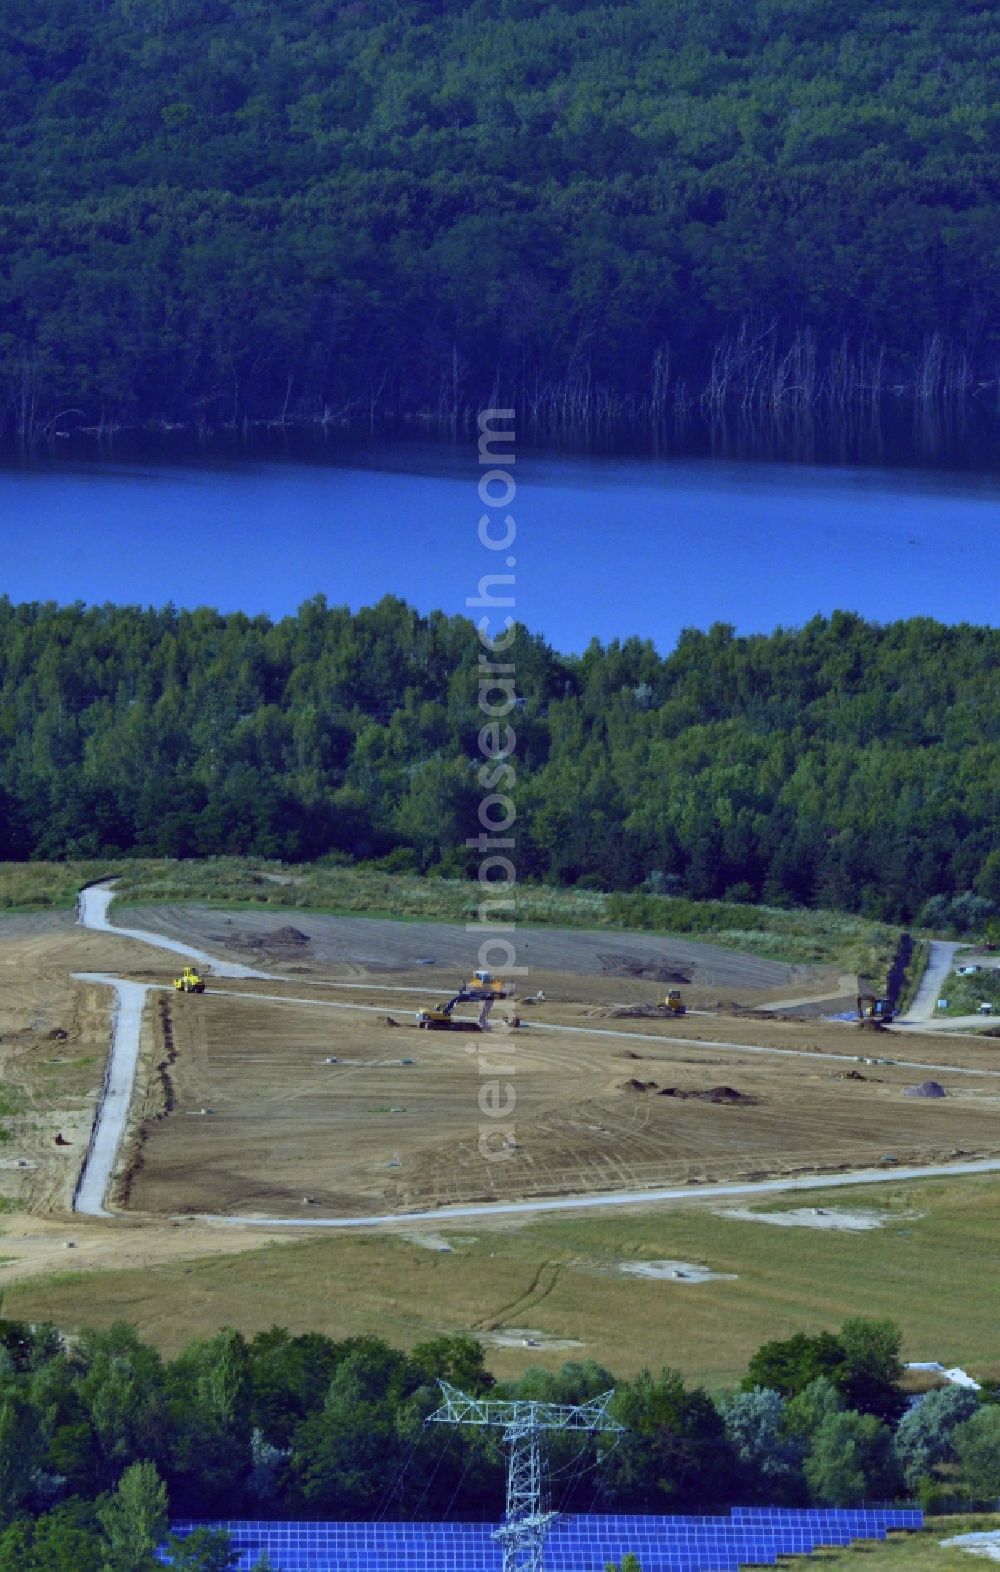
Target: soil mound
[(713, 1094), (625, 1012), (284, 939), (638, 966)]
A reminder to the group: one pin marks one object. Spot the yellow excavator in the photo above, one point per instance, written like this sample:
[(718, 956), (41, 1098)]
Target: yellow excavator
[(190, 981), (439, 1017), (873, 1012), (673, 1003)]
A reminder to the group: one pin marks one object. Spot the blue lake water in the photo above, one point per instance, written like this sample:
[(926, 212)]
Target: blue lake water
[(605, 547)]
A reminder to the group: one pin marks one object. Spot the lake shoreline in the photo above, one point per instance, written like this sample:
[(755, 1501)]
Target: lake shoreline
[(897, 434)]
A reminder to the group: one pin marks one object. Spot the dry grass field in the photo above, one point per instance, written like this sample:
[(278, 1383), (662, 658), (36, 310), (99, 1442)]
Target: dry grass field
[(561, 1282)]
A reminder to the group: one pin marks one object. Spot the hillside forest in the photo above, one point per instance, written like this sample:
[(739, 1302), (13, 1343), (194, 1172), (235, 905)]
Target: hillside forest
[(602, 211), (842, 764), (105, 1441)]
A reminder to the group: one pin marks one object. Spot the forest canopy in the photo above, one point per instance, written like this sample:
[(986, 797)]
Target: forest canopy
[(104, 1438), (221, 210), (843, 764)]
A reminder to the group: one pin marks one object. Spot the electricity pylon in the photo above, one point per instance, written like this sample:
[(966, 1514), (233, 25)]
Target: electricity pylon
[(522, 1423)]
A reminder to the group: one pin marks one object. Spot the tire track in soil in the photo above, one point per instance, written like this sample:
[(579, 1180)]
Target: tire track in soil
[(539, 1289)]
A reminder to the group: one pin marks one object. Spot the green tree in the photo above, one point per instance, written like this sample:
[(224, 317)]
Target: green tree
[(63, 1540), (134, 1520), (460, 1360), (675, 1449), (211, 1427), (872, 1370), (851, 1457), (768, 1458), (790, 1365), (805, 1412), (203, 1550), (977, 1448), (925, 1435), (21, 1452)]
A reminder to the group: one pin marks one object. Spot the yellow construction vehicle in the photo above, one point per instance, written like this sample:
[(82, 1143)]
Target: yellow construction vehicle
[(190, 981), (873, 1012), (439, 1016), (673, 1003), (483, 985)]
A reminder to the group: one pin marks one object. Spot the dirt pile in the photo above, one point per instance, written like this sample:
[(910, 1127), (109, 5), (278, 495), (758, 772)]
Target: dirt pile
[(713, 1094), (639, 966), (283, 941), (625, 1012)]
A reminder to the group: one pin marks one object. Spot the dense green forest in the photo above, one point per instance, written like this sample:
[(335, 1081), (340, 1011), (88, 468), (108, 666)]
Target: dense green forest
[(221, 210), (102, 1439), (843, 764)]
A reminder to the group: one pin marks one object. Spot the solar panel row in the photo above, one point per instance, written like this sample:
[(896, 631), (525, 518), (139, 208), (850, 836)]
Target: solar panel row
[(749, 1536)]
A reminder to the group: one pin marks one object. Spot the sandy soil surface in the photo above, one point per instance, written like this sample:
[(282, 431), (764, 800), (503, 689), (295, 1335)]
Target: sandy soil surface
[(245, 1114), (301, 1097)]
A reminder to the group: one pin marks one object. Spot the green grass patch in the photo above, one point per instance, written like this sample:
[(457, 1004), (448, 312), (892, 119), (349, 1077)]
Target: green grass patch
[(37, 886), (966, 994), (920, 1552)]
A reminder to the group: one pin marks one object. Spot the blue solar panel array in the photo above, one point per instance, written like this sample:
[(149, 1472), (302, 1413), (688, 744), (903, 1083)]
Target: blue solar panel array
[(749, 1536)]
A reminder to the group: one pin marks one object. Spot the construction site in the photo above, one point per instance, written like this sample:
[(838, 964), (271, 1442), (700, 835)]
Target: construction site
[(357, 1067)]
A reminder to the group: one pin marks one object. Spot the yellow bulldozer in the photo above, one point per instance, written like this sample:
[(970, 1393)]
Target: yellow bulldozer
[(190, 981), (673, 1003), (483, 985)]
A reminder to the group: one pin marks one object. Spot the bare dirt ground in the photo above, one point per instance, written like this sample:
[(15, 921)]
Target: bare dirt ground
[(285, 1132), (239, 1110), (371, 946)]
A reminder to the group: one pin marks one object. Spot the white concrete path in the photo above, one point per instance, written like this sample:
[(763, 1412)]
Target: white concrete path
[(580, 1203), (93, 913), (116, 1093), (111, 1116), (940, 962)]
